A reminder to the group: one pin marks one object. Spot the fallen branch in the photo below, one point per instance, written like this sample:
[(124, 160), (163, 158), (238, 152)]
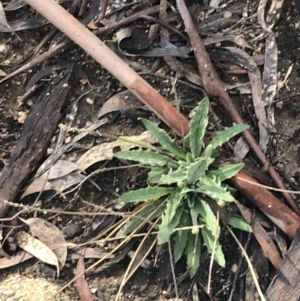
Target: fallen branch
[(32, 145)]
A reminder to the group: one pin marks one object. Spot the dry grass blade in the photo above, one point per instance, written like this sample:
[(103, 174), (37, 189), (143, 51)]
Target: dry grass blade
[(249, 265), (173, 269), (268, 246), (130, 269), (114, 229)]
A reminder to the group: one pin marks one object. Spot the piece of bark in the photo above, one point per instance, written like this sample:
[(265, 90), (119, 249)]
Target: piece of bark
[(37, 131), (286, 284)]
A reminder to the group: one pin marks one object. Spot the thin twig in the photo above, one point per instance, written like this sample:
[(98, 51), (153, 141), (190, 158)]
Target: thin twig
[(249, 265), (172, 269)]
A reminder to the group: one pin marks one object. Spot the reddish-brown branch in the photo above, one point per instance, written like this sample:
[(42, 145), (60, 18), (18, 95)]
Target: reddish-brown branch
[(279, 213)]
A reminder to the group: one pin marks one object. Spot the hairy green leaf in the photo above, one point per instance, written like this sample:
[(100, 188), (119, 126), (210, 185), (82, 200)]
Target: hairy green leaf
[(207, 215), (164, 139), (150, 212), (194, 217), (181, 236), (189, 158), (208, 152), (209, 241), (214, 189), (227, 134), (166, 229), (239, 223), (173, 203), (146, 157), (185, 190), (226, 172), (198, 125), (193, 253), (155, 174), (174, 176), (197, 170), (145, 194)]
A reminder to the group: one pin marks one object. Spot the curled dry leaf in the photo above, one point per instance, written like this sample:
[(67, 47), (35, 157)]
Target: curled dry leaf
[(14, 5), (4, 26), (19, 25), (132, 39), (49, 235), (36, 248), (23, 256), (39, 184), (256, 87), (58, 153), (2, 73), (67, 181), (59, 185), (60, 169), (14, 260), (120, 102), (105, 151), (89, 253)]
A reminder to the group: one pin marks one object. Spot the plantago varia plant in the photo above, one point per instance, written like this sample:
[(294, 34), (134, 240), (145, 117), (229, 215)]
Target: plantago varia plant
[(187, 186)]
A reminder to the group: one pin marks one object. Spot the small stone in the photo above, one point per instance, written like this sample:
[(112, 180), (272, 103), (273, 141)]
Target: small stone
[(22, 117), (90, 101), (279, 105), (73, 230), (88, 123), (50, 151), (68, 139)]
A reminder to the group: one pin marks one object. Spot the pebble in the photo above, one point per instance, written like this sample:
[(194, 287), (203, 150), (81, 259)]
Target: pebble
[(73, 230), (68, 139)]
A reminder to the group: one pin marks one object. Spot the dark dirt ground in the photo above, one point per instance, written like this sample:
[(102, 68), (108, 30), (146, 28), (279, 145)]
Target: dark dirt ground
[(144, 285)]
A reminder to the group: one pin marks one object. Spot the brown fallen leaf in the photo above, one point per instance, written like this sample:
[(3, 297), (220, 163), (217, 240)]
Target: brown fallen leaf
[(67, 181), (38, 184), (89, 253), (2, 73), (120, 102), (14, 260), (82, 286), (36, 248), (23, 256), (105, 151), (60, 169), (48, 234), (59, 185)]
